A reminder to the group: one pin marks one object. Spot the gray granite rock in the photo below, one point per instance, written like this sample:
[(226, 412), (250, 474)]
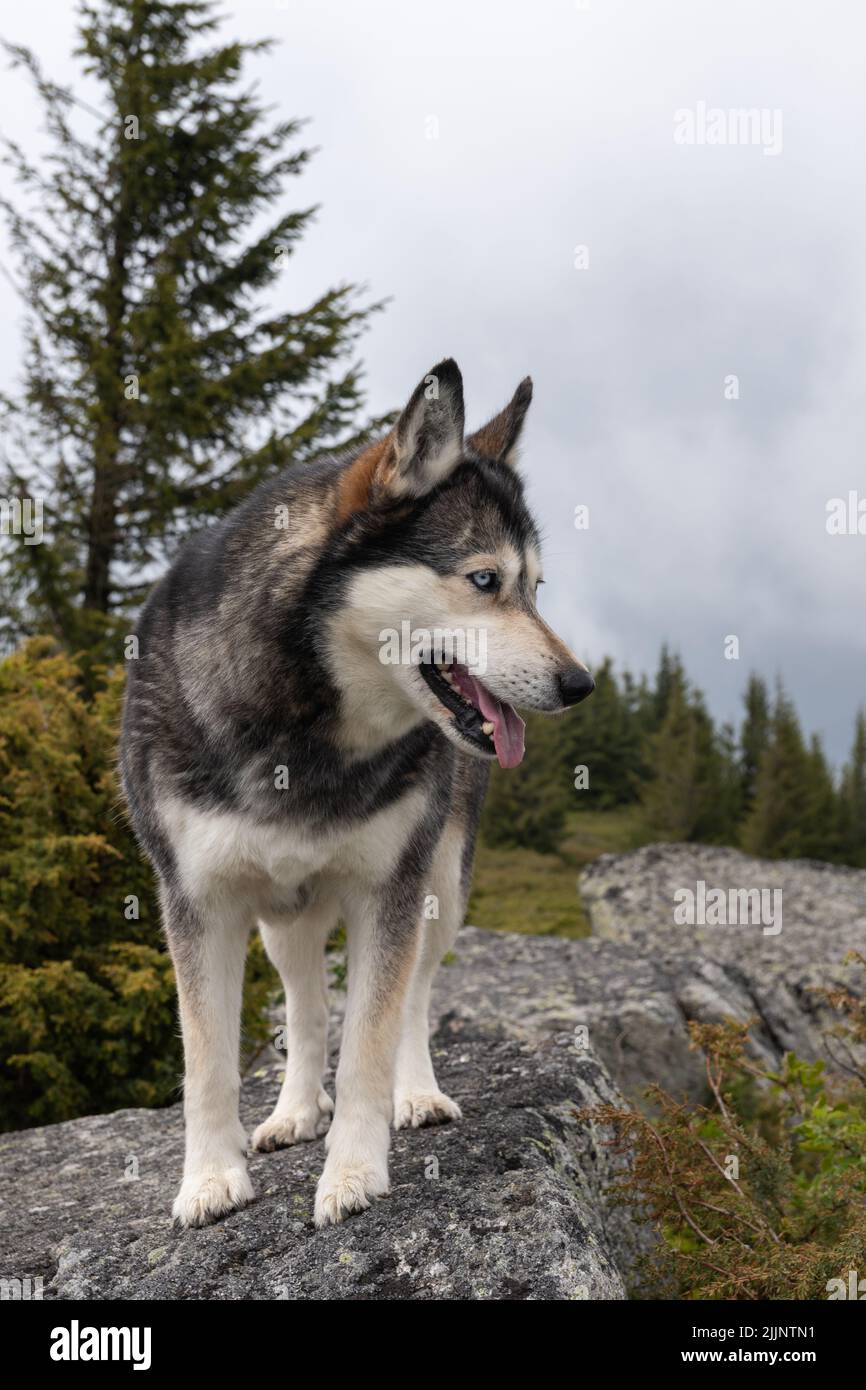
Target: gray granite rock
[(640, 978), (510, 1203)]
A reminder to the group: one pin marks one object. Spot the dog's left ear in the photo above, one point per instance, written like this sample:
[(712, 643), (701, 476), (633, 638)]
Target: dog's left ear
[(499, 438)]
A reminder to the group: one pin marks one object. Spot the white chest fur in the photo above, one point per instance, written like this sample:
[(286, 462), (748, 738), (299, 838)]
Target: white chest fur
[(218, 850)]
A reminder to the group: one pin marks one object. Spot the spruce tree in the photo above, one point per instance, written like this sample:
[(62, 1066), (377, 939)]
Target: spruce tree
[(722, 801), (606, 740), (691, 792), (668, 676), (158, 383), (777, 824), (527, 805), (670, 799), (753, 736), (820, 822), (852, 800), (639, 702)]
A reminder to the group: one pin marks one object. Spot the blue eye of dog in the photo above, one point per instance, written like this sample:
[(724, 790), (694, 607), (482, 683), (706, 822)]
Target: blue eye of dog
[(484, 579)]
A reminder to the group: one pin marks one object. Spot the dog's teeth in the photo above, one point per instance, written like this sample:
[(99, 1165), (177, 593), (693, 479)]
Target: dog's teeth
[(487, 727)]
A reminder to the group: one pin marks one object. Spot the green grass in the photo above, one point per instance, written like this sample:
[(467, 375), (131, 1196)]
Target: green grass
[(592, 833), (520, 890)]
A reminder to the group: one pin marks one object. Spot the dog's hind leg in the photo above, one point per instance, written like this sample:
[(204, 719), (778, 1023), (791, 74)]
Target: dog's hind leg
[(209, 952), (382, 933), (297, 949), (417, 1097)]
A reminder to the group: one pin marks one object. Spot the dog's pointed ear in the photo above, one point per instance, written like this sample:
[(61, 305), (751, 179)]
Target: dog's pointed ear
[(499, 438), (427, 441), (425, 445)]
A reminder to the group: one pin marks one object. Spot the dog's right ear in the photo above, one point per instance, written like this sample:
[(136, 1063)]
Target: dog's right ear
[(425, 445), (428, 438)]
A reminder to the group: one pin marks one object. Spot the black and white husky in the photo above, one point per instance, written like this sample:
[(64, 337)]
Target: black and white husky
[(287, 763)]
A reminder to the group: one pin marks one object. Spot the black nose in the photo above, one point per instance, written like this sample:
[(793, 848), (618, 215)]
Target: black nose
[(575, 684)]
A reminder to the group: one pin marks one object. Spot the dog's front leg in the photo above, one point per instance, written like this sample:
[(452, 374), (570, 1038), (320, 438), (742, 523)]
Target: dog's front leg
[(381, 953), (297, 948), (209, 952), (417, 1097)]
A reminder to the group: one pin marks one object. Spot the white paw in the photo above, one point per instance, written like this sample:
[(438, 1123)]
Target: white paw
[(346, 1188), (412, 1109), (207, 1195), (293, 1124)]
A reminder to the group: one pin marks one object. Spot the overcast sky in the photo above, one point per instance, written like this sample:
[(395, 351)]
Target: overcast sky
[(467, 150)]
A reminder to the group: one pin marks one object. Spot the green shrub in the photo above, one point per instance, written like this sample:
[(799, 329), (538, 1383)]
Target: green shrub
[(762, 1192), (87, 1014)]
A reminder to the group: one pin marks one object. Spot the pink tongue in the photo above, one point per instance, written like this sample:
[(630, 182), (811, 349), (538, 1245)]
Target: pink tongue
[(508, 727)]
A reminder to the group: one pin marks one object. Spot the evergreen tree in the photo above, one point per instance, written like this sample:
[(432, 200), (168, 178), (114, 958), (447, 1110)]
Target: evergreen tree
[(723, 787), (668, 677), (753, 736), (155, 390), (639, 700), (670, 799), (778, 824), (691, 792), (852, 800), (606, 740), (820, 822), (527, 805)]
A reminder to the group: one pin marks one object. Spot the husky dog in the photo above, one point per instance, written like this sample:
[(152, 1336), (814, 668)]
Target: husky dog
[(280, 771)]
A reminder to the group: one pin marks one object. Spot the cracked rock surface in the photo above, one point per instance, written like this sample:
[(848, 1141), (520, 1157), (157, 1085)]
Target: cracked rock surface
[(640, 978), (509, 1203)]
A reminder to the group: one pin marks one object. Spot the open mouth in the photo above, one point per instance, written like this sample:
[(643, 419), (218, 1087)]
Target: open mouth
[(490, 725)]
